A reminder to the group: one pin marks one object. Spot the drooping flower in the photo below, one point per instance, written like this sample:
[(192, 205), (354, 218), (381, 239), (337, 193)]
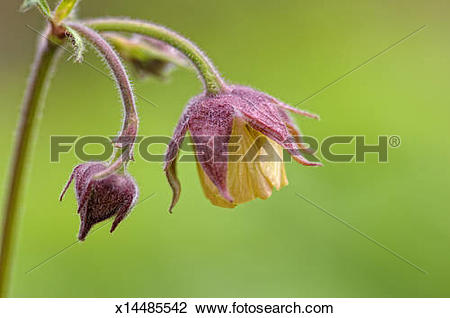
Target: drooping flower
[(260, 123), (101, 199)]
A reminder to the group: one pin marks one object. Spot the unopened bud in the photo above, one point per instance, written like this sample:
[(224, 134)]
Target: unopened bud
[(148, 56), (101, 199)]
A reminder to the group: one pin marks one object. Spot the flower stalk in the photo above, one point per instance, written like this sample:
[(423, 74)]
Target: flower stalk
[(45, 56), (130, 124), (209, 75), (147, 56)]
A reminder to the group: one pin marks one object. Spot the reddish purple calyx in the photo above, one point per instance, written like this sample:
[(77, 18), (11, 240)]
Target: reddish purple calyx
[(101, 199)]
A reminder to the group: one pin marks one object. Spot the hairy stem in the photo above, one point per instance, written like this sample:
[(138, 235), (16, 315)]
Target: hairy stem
[(43, 61), (210, 76), (130, 123)]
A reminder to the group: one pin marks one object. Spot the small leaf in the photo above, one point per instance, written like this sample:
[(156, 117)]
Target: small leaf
[(42, 5), (63, 10), (77, 43)]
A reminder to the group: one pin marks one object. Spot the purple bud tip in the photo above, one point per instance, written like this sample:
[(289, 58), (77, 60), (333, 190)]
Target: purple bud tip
[(101, 199)]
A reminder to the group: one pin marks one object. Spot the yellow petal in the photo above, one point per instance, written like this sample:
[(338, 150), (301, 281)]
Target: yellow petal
[(274, 171), (211, 191), (248, 179)]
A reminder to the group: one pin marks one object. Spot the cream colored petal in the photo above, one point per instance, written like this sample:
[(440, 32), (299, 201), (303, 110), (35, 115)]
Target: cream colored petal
[(248, 180), (211, 191), (275, 171)]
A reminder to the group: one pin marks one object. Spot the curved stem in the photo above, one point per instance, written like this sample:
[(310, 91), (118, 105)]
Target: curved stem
[(130, 123), (115, 165), (36, 88), (212, 81)]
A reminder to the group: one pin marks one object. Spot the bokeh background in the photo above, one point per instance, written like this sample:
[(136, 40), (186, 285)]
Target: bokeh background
[(281, 247)]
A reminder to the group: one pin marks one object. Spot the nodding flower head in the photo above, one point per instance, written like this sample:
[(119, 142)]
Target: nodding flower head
[(258, 121), (101, 199)]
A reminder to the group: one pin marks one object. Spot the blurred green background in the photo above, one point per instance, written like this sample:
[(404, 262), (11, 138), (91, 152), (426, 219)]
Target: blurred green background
[(281, 247)]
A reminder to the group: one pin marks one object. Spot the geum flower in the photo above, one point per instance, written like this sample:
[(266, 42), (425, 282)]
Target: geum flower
[(101, 199), (255, 118)]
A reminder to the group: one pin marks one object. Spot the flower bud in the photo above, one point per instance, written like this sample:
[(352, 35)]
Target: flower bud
[(148, 56), (101, 199)]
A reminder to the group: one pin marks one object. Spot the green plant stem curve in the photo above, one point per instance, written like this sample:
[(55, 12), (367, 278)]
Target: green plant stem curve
[(212, 81), (43, 61)]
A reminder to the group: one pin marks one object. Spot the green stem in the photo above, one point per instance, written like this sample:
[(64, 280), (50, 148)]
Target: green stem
[(34, 94), (130, 123), (210, 76)]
